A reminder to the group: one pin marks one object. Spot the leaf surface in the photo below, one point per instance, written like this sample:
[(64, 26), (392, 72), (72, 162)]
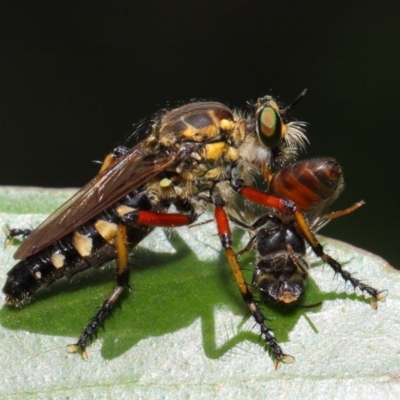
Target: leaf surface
[(182, 332)]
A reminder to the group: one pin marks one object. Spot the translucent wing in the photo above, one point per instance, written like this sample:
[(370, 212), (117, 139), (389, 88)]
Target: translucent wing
[(128, 172)]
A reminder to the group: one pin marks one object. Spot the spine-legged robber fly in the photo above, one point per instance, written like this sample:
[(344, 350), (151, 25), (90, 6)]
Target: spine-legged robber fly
[(279, 242), (194, 156)]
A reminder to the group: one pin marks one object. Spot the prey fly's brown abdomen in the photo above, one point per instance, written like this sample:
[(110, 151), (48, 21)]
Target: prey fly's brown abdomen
[(308, 183)]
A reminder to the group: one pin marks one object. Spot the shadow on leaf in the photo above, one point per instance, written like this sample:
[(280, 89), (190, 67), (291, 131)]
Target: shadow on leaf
[(169, 293)]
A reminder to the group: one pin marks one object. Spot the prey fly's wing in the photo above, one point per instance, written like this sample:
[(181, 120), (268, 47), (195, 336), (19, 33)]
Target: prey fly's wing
[(129, 171)]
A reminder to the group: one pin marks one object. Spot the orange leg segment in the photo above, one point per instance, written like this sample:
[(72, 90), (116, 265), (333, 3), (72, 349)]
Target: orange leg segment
[(108, 304), (266, 332), (287, 206)]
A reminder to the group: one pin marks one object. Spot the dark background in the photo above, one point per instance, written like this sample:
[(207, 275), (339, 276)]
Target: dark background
[(75, 76)]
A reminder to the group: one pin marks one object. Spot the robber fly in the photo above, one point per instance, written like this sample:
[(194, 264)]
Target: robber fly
[(197, 155), (279, 242)]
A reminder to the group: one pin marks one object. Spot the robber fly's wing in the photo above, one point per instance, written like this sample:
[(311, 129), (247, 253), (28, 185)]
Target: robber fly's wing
[(127, 173)]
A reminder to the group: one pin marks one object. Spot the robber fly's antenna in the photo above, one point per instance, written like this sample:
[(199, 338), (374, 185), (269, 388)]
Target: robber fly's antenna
[(296, 100)]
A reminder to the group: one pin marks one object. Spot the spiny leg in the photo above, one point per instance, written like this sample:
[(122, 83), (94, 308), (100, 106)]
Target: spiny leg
[(283, 205), (122, 281), (122, 275), (375, 294), (266, 333), (121, 246), (336, 266)]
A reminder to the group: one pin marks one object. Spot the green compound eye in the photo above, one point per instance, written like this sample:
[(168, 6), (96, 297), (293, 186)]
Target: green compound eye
[(269, 127)]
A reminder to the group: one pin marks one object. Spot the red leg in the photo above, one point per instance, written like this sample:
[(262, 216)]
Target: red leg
[(287, 206), (161, 219)]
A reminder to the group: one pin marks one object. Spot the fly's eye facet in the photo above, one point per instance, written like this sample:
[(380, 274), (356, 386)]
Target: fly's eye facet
[(269, 127)]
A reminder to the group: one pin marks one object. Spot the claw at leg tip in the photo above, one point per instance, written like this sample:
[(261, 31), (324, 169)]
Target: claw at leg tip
[(73, 348), (286, 358)]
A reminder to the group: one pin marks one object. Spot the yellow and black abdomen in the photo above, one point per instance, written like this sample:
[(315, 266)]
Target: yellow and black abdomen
[(92, 245)]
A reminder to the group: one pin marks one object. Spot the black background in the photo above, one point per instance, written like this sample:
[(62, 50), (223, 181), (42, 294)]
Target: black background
[(75, 76)]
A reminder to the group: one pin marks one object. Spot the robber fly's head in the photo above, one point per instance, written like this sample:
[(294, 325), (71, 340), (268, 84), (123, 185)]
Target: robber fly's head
[(281, 271), (270, 127), (284, 139)]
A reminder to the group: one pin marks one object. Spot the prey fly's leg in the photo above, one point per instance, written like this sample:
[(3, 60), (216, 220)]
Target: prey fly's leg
[(110, 158), (13, 234), (324, 219), (146, 218), (288, 206), (266, 332)]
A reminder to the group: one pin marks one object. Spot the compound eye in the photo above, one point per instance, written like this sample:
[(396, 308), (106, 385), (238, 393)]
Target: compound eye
[(269, 127)]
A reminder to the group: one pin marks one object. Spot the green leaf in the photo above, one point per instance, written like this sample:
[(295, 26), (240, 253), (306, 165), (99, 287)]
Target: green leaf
[(182, 331)]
